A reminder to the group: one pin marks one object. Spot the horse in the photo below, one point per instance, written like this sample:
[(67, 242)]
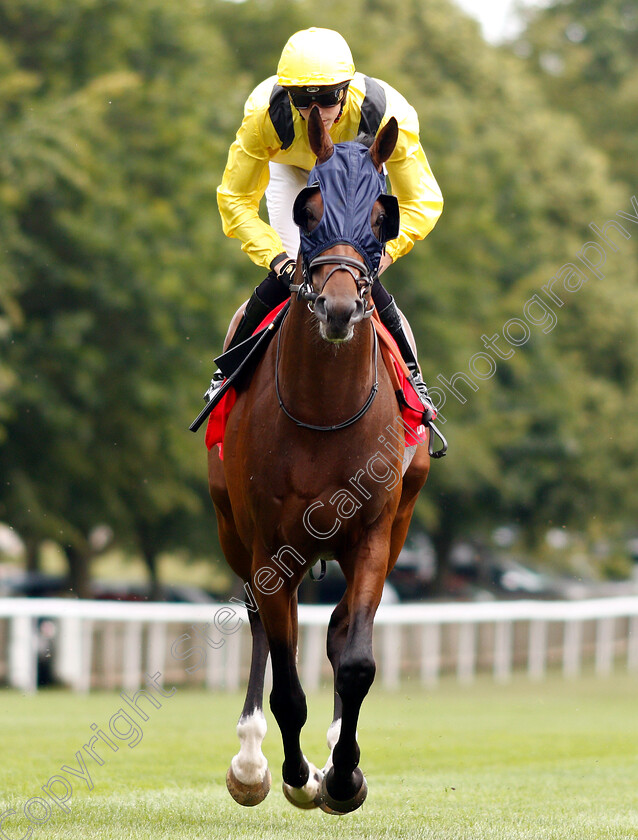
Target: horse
[(300, 481)]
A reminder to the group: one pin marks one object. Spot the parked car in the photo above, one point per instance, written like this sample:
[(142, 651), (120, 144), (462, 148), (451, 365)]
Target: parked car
[(23, 584), (414, 571), (480, 570)]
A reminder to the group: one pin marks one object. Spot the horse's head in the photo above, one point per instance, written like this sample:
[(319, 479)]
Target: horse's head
[(345, 219)]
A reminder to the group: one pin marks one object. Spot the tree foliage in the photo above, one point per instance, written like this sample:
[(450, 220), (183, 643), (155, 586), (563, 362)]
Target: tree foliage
[(585, 54), (116, 283)]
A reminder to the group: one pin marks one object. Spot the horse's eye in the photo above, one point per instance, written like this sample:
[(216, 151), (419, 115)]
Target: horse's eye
[(310, 221), (378, 228)]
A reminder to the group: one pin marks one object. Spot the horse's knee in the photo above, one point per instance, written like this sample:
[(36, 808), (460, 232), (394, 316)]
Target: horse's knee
[(355, 675)]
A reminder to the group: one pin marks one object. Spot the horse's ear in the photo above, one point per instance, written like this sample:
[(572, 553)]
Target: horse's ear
[(384, 143), (320, 141)]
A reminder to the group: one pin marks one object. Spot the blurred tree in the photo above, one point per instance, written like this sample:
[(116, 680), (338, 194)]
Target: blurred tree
[(109, 298), (116, 283), (585, 54)]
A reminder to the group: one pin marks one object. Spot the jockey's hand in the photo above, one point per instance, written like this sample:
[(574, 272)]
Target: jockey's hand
[(386, 260), (286, 271)]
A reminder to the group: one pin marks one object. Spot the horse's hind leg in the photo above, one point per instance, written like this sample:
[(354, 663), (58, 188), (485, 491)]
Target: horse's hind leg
[(248, 778), (337, 634)]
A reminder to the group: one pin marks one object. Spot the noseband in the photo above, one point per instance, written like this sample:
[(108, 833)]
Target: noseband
[(305, 290), (363, 280)]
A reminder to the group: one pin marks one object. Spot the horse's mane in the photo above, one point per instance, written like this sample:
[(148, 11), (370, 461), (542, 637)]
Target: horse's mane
[(365, 139)]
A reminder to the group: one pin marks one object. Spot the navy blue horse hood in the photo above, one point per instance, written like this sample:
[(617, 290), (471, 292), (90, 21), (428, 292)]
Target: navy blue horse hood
[(350, 184)]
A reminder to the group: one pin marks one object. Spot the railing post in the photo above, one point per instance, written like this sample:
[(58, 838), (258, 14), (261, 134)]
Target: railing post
[(214, 667), (233, 661), (74, 649), (23, 653), (605, 629), (156, 650), (537, 649), (391, 655), (466, 663), (503, 637), (632, 644), (572, 642), (312, 656), (430, 653), (132, 656), (112, 676)]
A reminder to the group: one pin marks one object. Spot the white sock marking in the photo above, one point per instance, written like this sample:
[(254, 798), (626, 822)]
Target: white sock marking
[(250, 764), (334, 730)]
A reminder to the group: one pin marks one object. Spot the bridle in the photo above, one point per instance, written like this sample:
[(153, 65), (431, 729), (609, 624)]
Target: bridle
[(363, 280), (305, 290)]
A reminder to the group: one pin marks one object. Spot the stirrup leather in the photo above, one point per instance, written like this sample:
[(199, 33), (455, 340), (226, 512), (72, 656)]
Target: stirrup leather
[(429, 410)]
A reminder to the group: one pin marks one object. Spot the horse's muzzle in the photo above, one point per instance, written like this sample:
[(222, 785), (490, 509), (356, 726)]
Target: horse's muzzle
[(338, 317)]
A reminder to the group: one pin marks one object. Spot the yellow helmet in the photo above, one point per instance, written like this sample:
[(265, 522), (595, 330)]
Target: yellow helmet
[(315, 57)]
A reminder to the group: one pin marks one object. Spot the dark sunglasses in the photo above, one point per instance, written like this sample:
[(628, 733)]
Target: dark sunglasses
[(305, 97)]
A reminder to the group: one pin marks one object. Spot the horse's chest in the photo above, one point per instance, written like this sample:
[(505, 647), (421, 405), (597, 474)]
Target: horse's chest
[(320, 487), (307, 472)]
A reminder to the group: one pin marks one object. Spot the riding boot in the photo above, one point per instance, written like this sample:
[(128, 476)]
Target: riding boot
[(391, 320), (254, 313)]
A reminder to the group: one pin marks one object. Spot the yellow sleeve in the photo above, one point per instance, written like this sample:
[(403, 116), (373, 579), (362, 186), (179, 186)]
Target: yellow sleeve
[(245, 180), (411, 179)]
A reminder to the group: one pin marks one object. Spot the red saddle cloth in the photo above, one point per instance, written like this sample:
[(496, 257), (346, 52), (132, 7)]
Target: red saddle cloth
[(411, 411)]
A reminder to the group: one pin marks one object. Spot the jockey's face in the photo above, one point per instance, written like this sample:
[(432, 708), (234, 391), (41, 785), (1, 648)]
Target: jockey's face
[(328, 115)]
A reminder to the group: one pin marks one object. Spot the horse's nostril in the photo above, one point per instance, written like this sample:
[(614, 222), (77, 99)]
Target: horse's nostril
[(320, 308)]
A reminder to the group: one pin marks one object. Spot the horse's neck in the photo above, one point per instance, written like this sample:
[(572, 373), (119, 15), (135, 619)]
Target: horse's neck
[(324, 379)]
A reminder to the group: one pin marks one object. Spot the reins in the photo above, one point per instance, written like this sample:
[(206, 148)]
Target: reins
[(344, 424)]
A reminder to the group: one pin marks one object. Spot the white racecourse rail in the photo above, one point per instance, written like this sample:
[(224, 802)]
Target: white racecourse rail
[(108, 645)]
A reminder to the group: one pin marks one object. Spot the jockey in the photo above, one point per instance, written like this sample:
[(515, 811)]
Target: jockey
[(271, 155)]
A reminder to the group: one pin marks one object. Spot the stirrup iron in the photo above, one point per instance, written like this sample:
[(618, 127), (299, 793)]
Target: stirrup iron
[(436, 453)]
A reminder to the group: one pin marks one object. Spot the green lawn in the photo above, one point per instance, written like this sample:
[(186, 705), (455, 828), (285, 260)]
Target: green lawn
[(559, 760)]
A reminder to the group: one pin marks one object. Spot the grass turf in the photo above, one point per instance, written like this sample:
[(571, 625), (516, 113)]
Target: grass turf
[(554, 761)]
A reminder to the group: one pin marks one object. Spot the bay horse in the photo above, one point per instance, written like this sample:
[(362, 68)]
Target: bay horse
[(296, 485)]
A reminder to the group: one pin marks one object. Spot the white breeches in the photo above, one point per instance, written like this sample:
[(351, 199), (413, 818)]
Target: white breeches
[(285, 184)]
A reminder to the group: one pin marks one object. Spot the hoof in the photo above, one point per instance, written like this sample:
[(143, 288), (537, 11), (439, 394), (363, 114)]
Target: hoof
[(336, 806), (248, 795), (308, 796)]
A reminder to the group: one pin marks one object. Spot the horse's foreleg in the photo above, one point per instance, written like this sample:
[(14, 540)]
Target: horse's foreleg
[(301, 780), (344, 785), (248, 778)]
